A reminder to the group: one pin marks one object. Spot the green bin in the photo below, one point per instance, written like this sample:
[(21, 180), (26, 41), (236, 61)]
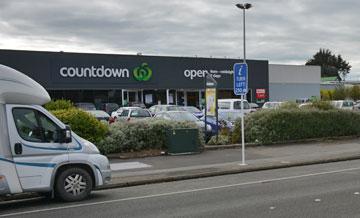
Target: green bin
[(183, 141)]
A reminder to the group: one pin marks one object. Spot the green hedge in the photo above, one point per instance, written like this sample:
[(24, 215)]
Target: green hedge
[(270, 126), (140, 135), (83, 124), (60, 104)]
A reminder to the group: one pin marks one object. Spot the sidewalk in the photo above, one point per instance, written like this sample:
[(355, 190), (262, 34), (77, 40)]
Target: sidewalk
[(227, 161)]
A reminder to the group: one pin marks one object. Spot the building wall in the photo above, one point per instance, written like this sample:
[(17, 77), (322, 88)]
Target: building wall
[(291, 82)]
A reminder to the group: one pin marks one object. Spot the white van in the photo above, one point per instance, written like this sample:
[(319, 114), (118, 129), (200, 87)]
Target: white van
[(38, 153), (230, 109), (343, 104)]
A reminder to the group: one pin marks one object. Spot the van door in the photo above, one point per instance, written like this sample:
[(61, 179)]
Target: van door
[(9, 180), (34, 146)]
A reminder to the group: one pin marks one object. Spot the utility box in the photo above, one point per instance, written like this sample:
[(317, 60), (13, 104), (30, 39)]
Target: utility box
[(183, 141)]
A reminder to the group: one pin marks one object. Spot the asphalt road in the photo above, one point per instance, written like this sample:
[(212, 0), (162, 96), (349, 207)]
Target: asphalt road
[(327, 190)]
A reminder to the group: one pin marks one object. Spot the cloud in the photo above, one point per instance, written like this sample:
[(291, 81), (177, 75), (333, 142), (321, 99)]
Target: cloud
[(277, 30)]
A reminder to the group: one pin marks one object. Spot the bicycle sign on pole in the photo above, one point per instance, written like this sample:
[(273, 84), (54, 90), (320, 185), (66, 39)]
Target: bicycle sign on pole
[(241, 88)]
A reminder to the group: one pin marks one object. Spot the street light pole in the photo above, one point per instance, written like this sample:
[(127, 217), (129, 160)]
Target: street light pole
[(244, 7)]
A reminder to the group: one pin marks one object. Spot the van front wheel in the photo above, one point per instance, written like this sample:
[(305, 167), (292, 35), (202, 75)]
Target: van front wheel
[(73, 184)]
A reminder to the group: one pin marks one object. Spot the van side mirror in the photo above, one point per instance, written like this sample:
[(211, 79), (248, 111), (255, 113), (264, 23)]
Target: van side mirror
[(65, 135)]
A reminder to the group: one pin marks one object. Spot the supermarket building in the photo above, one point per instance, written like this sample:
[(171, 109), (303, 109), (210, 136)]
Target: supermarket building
[(126, 79)]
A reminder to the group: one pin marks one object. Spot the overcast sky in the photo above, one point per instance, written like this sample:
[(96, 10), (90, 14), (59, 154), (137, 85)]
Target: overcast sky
[(281, 31)]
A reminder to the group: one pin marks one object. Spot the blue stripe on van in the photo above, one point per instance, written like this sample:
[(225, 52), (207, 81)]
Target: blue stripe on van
[(55, 149), (49, 165)]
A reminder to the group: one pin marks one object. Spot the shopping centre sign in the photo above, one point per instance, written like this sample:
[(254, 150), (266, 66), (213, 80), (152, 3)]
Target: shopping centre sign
[(94, 72), (192, 74), (140, 73)]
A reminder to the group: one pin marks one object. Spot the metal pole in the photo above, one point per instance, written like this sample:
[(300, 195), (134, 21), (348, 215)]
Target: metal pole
[(122, 98), (242, 100), (167, 96), (244, 35), (242, 132)]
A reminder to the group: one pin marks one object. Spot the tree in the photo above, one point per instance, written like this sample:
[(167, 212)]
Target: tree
[(331, 65)]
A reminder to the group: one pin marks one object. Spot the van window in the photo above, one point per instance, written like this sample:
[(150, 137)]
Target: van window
[(237, 105), (224, 105), (34, 126)]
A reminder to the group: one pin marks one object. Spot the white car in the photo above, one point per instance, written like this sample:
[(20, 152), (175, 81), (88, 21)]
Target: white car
[(117, 113), (230, 109), (272, 105), (134, 113)]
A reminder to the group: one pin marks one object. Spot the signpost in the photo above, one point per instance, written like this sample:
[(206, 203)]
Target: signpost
[(211, 107), (241, 88)]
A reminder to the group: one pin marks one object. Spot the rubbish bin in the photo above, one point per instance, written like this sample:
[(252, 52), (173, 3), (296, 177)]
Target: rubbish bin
[(183, 141)]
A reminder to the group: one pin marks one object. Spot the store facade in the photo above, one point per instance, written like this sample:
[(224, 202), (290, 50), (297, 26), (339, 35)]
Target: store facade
[(127, 79)]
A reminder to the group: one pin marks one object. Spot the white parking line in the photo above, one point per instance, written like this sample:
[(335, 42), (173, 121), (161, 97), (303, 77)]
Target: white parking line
[(178, 192), (128, 166)]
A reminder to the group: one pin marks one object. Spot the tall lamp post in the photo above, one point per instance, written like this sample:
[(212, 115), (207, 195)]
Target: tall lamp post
[(244, 7)]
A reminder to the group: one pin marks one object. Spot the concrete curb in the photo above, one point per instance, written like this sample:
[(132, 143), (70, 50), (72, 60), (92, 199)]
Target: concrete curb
[(151, 179)]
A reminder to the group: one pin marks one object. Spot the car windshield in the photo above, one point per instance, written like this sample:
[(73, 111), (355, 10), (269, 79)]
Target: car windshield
[(192, 109), (125, 113), (98, 113), (271, 105), (183, 116), (174, 108), (86, 106), (140, 113)]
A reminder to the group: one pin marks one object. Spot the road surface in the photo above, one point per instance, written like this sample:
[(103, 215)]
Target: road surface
[(326, 190)]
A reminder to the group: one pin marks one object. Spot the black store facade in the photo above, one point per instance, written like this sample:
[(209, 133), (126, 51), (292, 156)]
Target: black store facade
[(125, 79)]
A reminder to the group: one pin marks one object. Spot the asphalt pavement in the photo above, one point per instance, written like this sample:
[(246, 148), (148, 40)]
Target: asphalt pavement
[(321, 190)]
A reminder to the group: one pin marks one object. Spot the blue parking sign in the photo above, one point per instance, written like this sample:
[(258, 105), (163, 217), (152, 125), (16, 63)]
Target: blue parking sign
[(240, 79)]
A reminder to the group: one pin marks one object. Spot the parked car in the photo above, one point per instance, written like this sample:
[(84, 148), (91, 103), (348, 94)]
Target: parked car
[(109, 107), (86, 106), (194, 110), (272, 105), (254, 107), (304, 105), (185, 116), (117, 113), (100, 115), (343, 104), (137, 104), (162, 108), (230, 109), (134, 113), (215, 127)]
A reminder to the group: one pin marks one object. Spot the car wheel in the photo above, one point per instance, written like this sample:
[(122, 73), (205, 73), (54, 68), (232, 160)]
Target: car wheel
[(73, 184)]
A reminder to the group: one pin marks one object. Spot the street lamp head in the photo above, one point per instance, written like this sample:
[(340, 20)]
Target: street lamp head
[(244, 6), (247, 5)]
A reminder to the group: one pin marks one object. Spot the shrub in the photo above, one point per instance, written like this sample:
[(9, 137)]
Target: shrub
[(61, 104), (355, 93), (223, 139), (272, 126), (83, 124), (289, 105), (141, 135), (322, 105)]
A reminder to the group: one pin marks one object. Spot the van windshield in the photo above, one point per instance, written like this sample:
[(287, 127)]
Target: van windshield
[(224, 105), (348, 104), (237, 105)]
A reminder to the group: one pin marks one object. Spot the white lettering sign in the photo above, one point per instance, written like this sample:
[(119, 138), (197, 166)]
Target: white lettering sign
[(94, 72)]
